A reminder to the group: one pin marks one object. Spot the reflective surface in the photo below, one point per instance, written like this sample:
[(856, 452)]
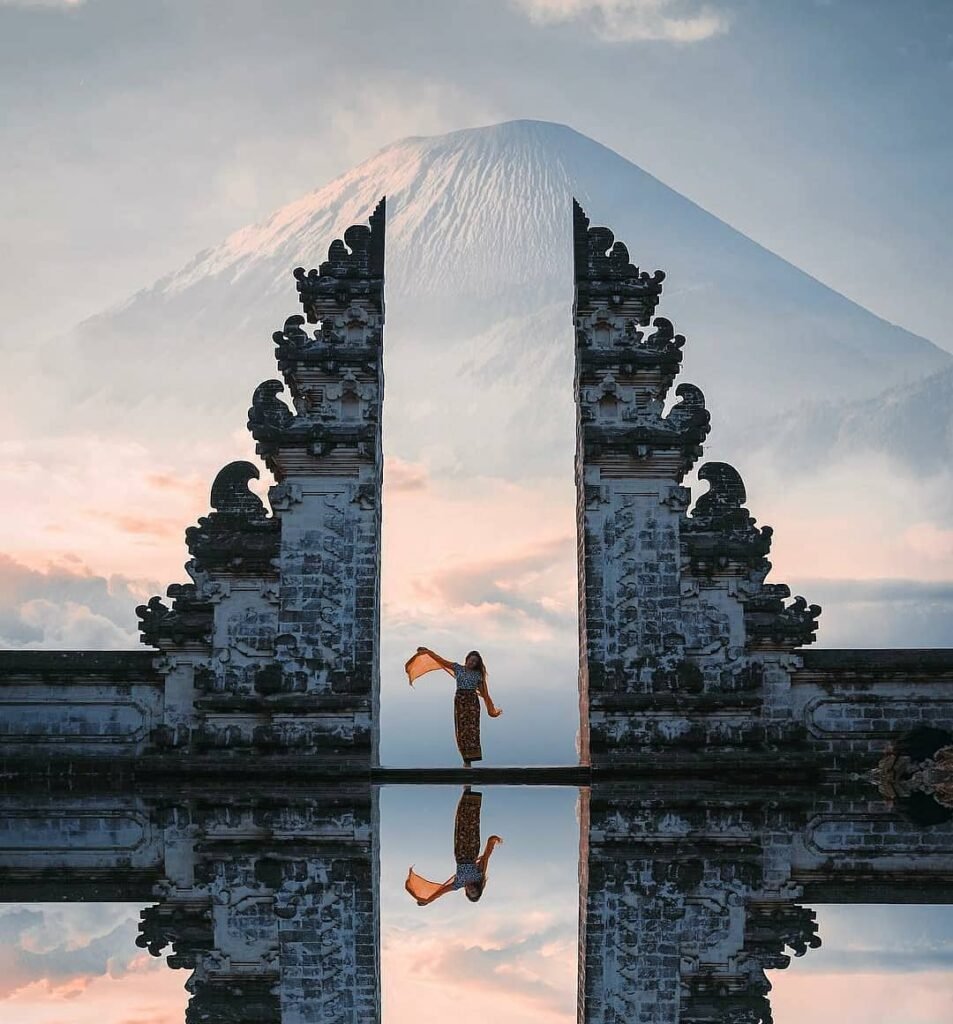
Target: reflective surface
[(649, 902)]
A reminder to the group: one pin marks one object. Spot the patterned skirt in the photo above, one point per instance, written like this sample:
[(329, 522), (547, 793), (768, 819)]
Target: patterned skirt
[(466, 828), (466, 722)]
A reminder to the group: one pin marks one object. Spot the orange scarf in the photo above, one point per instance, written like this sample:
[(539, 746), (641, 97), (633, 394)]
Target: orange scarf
[(425, 891), (421, 663)]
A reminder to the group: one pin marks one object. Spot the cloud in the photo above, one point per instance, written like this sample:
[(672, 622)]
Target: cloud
[(525, 974), (626, 21), (110, 502), (67, 606), (518, 583), (400, 475), (872, 997), (479, 553), (877, 591), (80, 954), (63, 4), (510, 970), (146, 526)]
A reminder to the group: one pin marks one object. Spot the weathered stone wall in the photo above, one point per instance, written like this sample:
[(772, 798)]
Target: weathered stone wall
[(273, 645), (854, 703), (692, 893), (686, 652), (269, 899), (64, 703), (685, 649)]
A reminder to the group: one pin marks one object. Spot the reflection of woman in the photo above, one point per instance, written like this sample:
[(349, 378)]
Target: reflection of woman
[(471, 685), (471, 864)]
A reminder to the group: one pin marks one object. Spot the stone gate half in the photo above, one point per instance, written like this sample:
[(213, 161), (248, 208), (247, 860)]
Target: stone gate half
[(273, 644), (685, 648)]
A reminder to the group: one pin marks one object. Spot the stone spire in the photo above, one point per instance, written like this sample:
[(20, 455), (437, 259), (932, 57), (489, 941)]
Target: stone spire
[(276, 638), (675, 617)]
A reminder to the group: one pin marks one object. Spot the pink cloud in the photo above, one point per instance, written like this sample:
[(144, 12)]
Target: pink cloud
[(484, 551), (528, 977), (145, 526), (872, 998), (193, 486), (107, 502), (153, 994), (400, 475)]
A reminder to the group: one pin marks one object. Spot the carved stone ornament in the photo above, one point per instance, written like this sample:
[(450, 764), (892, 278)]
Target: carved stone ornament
[(238, 536)]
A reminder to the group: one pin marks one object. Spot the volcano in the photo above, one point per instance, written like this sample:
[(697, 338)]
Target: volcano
[(479, 291)]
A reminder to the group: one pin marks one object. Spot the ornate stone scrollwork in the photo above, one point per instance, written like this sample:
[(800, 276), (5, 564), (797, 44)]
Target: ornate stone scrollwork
[(772, 624), (268, 417), (187, 621), (603, 272), (689, 419), (188, 929), (773, 927), (274, 426), (238, 535), (720, 533), (354, 269)]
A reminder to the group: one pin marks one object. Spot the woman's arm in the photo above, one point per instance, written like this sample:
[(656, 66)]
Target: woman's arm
[(446, 665), (491, 709), (484, 859)]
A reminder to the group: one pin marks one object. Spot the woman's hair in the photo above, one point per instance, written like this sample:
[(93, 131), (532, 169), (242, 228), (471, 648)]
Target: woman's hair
[(474, 890), (481, 668)]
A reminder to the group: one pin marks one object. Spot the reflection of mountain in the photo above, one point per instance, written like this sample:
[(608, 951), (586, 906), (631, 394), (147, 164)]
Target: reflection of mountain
[(478, 291)]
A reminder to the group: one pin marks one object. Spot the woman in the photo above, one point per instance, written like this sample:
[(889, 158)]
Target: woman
[(471, 870), (471, 686)]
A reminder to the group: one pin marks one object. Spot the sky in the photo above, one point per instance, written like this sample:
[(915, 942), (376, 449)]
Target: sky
[(137, 133)]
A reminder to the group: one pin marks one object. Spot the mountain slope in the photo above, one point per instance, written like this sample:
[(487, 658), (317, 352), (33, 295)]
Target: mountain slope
[(479, 292), (912, 424)]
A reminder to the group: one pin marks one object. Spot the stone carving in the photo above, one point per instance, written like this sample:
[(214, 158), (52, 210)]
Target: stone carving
[(269, 418), (238, 534), (916, 773), (353, 270), (186, 928), (773, 625), (274, 426), (285, 607), (189, 620), (351, 338), (720, 532), (670, 602), (604, 273)]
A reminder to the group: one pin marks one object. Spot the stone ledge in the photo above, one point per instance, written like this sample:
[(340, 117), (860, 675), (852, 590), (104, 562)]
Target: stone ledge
[(677, 702), (285, 702), (926, 661), (80, 667)]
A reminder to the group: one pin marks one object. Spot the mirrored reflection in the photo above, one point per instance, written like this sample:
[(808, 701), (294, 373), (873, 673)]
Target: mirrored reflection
[(472, 865), (677, 903)]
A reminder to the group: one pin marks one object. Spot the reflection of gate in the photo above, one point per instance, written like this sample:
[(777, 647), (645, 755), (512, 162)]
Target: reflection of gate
[(688, 657), (269, 899), (691, 893), (690, 890)]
